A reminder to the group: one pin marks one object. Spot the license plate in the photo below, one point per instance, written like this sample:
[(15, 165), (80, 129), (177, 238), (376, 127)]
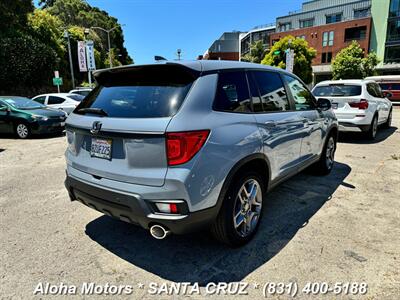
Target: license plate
[(334, 105), (101, 148)]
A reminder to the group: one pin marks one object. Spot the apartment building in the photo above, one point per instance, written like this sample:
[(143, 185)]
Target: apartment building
[(328, 26), (224, 48), (385, 37), (261, 32)]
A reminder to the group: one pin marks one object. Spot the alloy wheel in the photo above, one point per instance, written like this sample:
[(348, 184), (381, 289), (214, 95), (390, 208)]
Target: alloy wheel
[(247, 208), (22, 131)]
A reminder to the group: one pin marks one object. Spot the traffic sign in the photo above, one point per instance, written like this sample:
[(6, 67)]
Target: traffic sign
[(57, 81)]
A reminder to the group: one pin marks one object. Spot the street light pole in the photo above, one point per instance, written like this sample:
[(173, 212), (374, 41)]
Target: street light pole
[(108, 31), (66, 35)]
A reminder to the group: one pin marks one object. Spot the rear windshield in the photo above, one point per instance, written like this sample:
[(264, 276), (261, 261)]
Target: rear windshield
[(337, 90), (390, 86), (143, 92)]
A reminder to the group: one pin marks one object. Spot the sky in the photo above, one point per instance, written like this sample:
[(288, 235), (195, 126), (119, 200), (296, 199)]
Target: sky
[(160, 27)]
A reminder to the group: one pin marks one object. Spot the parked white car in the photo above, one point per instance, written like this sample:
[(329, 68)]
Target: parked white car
[(359, 105), (81, 91), (62, 101)]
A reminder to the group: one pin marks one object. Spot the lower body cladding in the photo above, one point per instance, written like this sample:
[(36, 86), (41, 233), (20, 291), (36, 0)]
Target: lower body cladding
[(133, 209)]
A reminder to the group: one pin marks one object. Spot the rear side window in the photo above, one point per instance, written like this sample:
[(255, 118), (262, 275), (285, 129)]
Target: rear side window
[(272, 90), (337, 90), (302, 97), (232, 93), (141, 92), (374, 90), (55, 100)]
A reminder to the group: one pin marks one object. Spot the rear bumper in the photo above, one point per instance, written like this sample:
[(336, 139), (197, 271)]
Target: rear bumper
[(351, 127), (132, 209)]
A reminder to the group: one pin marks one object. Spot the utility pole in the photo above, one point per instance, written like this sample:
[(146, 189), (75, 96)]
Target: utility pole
[(66, 35), (108, 31)]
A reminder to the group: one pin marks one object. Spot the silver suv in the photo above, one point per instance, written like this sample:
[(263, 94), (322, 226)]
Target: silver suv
[(179, 146)]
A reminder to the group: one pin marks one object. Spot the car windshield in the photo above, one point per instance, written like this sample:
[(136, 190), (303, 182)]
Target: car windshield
[(22, 103), (337, 90), (76, 97)]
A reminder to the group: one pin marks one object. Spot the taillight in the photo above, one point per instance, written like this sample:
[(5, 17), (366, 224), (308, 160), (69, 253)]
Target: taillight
[(182, 146), (362, 104)]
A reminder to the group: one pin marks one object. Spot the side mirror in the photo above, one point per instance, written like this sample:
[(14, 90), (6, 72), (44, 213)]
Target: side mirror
[(5, 108), (324, 104), (387, 94)]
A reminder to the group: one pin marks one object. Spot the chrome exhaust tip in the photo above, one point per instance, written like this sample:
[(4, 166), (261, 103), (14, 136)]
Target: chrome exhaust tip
[(159, 232)]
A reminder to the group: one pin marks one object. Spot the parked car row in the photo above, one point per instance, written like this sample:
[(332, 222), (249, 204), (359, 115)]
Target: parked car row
[(42, 114), (24, 117)]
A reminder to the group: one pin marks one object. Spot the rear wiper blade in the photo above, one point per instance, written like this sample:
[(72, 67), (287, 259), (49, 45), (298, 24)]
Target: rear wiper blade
[(93, 110)]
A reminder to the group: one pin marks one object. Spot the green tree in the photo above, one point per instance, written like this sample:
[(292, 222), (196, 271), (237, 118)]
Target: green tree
[(351, 63), (303, 58), (14, 15), (80, 13), (256, 53)]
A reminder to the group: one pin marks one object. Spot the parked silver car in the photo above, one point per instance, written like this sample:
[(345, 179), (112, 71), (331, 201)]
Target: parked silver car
[(179, 146)]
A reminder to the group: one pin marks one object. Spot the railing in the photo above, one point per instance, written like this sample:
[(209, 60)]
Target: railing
[(264, 26)]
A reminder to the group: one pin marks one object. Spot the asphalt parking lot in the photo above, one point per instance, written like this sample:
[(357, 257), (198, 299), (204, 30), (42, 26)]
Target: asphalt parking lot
[(344, 227)]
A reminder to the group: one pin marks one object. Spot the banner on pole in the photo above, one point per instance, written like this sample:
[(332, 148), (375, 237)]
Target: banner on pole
[(82, 56), (289, 60), (91, 63)]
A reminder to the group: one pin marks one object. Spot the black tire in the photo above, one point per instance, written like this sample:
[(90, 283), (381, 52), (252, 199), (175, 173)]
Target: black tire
[(373, 128), (388, 122), (325, 163), (223, 228), (22, 130)]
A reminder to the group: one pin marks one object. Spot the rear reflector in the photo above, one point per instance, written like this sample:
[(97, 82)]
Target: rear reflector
[(182, 146), (167, 208), (363, 104)]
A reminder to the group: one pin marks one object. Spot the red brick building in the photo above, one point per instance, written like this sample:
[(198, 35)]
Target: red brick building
[(328, 26)]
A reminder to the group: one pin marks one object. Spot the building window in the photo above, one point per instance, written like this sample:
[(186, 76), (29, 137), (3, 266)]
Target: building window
[(393, 31), (306, 23), (392, 54), (303, 37), (355, 33), (394, 9), (361, 13), (327, 38), (285, 27), (326, 57), (333, 18)]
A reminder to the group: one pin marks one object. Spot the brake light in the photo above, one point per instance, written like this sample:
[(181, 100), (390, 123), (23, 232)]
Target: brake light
[(182, 146), (362, 104)]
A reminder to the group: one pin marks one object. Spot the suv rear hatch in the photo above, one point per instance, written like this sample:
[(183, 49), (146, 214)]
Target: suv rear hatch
[(118, 131), (343, 96)]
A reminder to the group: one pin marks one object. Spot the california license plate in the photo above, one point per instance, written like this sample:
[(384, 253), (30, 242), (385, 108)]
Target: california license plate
[(101, 148)]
